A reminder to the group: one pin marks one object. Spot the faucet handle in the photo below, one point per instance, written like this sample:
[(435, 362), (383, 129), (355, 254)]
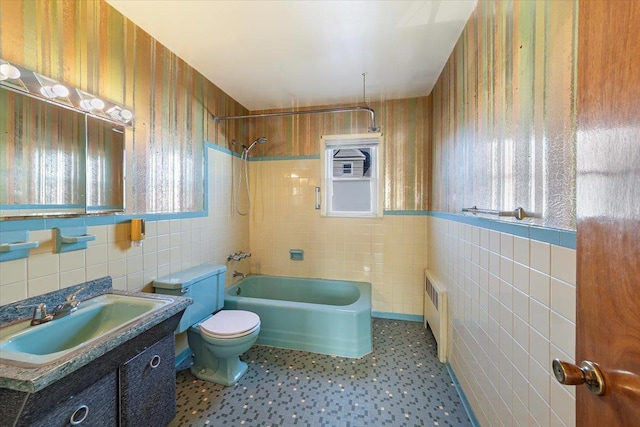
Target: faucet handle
[(40, 314), (75, 294), (40, 310)]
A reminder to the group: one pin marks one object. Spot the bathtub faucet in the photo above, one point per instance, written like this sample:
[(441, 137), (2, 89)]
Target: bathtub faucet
[(238, 274), (238, 256)]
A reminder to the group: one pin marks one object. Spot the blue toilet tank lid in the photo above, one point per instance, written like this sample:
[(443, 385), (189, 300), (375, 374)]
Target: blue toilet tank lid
[(185, 278)]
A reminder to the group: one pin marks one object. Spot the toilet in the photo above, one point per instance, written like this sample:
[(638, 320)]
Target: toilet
[(216, 337)]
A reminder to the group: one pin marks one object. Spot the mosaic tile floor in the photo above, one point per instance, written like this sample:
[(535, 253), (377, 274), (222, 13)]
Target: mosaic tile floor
[(401, 383)]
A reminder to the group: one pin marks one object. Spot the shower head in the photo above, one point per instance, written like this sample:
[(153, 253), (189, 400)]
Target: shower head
[(260, 140)]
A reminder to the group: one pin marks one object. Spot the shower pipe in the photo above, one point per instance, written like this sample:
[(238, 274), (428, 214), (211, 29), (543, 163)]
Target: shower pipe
[(372, 128)]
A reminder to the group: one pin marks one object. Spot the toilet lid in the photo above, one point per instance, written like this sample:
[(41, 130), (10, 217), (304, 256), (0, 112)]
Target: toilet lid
[(230, 324)]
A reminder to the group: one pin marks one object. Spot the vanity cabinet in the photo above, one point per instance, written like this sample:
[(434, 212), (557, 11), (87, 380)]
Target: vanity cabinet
[(148, 386), (131, 385), (96, 406)]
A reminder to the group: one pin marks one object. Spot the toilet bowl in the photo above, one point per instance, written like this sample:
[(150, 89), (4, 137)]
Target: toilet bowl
[(216, 340)]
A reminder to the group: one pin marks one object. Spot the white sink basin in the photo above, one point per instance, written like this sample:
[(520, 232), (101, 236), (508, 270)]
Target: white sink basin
[(95, 318)]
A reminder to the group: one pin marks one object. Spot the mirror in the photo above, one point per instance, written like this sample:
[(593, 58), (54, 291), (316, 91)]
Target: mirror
[(105, 166), (57, 161)]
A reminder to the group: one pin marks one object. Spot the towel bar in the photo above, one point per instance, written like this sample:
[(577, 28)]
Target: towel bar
[(518, 212)]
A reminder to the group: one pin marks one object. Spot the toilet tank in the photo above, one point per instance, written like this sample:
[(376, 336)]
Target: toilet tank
[(204, 284)]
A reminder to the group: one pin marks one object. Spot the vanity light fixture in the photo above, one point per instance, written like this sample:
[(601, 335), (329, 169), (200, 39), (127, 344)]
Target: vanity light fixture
[(52, 89), (19, 79)]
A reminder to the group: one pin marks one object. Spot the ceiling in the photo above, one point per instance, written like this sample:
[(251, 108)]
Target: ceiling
[(284, 54)]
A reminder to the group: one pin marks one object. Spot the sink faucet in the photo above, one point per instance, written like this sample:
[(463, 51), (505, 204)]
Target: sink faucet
[(63, 309), (40, 315), (238, 274)]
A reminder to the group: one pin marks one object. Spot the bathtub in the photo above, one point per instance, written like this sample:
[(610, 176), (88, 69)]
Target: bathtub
[(321, 316)]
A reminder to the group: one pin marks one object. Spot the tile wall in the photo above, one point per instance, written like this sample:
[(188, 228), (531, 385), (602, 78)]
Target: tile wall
[(169, 246), (512, 311), (389, 252)]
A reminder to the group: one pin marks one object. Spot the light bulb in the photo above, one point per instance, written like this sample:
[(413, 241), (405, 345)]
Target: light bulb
[(47, 91), (8, 71), (115, 114), (126, 115), (55, 91), (92, 104), (60, 91), (97, 103)]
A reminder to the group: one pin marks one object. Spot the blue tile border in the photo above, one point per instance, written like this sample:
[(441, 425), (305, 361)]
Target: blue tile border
[(89, 221), (26, 224), (554, 236), (397, 316), (463, 397), (568, 239)]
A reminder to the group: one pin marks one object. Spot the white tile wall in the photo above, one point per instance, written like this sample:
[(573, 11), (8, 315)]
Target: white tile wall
[(512, 311), (389, 252), (169, 246)]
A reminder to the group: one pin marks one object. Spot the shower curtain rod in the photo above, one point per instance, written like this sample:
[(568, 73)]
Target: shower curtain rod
[(373, 127)]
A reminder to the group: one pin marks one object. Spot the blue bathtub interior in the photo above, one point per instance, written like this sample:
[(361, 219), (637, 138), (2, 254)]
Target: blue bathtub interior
[(321, 316)]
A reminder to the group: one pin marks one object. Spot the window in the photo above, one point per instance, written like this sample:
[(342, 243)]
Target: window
[(352, 175)]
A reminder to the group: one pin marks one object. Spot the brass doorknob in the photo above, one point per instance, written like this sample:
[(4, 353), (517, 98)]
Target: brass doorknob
[(587, 373)]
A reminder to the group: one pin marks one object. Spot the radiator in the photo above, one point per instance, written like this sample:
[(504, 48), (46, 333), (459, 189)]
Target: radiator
[(435, 312)]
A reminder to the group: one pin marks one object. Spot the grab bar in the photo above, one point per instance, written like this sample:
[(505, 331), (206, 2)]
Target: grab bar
[(518, 212)]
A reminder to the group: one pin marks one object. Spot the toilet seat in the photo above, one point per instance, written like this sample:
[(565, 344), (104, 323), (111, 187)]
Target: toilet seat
[(227, 324)]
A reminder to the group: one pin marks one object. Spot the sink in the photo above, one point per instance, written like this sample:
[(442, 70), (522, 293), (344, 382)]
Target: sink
[(95, 318)]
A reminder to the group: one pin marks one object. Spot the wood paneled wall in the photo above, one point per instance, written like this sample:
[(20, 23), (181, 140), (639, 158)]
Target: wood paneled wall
[(91, 46), (504, 126), (405, 124)]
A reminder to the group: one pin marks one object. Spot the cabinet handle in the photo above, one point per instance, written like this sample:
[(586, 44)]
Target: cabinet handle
[(79, 415), (155, 362)]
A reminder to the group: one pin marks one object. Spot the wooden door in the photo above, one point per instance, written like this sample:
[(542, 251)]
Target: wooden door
[(608, 206)]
